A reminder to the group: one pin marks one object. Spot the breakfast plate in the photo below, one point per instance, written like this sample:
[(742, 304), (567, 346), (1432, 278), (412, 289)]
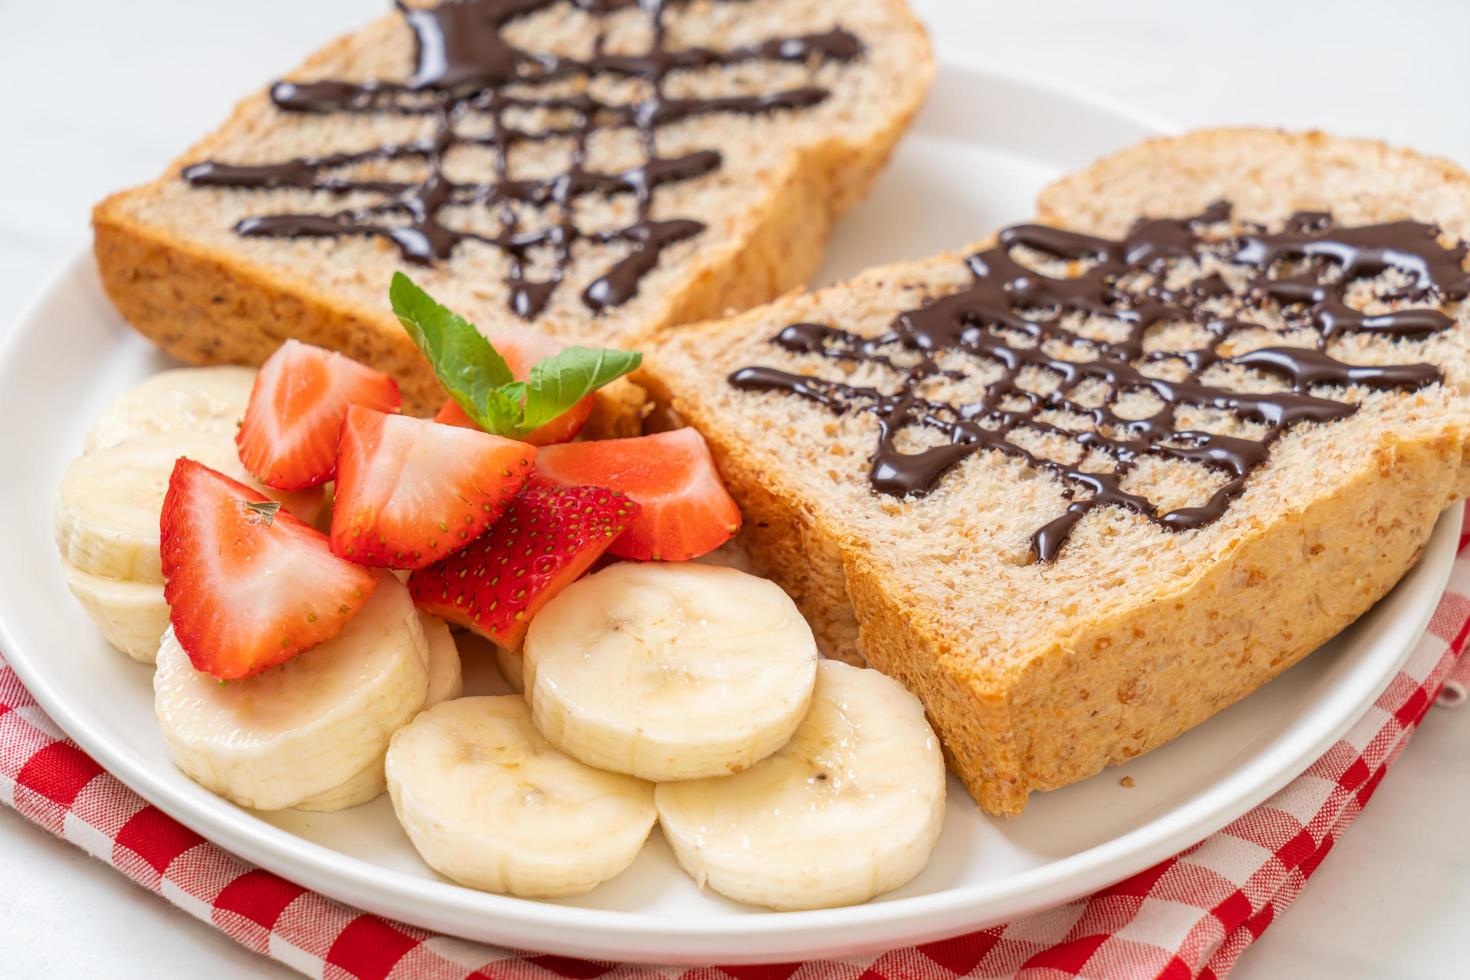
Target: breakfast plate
[(984, 145)]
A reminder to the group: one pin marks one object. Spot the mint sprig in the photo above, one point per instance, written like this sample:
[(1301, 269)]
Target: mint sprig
[(479, 380)]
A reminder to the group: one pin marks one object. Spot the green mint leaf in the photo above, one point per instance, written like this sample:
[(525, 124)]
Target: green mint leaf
[(500, 413), (516, 392), (478, 378), (468, 366), (557, 383)]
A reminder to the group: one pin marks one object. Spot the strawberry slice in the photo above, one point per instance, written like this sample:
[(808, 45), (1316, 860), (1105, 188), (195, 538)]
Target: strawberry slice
[(521, 349), (546, 540), (410, 491), (289, 436), (685, 509), (248, 585)]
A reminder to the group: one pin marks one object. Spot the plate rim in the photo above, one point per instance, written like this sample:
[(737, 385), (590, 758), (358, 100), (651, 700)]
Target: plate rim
[(590, 932)]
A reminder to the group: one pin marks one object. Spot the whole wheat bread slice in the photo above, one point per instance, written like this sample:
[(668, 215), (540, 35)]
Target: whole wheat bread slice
[(1040, 673), (763, 185)]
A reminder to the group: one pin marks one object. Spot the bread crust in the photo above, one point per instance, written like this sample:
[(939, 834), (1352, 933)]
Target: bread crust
[(1283, 590), (1102, 687), (1441, 189), (204, 305), (1124, 685)]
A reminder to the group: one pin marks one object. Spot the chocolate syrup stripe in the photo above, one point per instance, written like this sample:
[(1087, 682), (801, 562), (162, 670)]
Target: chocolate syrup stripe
[(335, 96), (1010, 313), (304, 174), (464, 65)]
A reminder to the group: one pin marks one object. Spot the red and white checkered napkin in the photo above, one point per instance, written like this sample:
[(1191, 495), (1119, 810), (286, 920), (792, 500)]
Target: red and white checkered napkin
[(1189, 916)]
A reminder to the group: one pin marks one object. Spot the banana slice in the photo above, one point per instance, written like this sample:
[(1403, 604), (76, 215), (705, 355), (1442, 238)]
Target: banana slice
[(491, 804), (207, 399), (303, 728), (107, 510), (446, 681), (445, 684), (669, 670), (362, 788), (849, 809), (131, 615)]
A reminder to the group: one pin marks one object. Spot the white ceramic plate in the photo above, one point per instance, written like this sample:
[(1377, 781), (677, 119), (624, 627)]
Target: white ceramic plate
[(977, 156)]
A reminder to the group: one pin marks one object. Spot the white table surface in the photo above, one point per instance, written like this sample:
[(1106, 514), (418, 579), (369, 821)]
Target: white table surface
[(95, 96)]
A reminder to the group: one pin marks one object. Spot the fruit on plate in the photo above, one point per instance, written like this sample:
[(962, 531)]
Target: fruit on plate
[(364, 787), (199, 399), (686, 510), (445, 684), (410, 491), (108, 506), (534, 390), (301, 395), (307, 726), (850, 808), (107, 509), (545, 540), (248, 585), (488, 802), (669, 671), (522, 348), (131, 615), (446, 676)]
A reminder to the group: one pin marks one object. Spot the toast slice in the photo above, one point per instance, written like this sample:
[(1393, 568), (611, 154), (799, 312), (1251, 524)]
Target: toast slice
[(1081, 493), (597, 169)]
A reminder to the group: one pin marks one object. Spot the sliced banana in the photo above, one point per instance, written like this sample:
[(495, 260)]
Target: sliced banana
[(849, 809), (202, 399), (445, 684), (491, 804), (446, 679), (362, 788), (108, 506), (131, 615), (669, 670), (308, 726)]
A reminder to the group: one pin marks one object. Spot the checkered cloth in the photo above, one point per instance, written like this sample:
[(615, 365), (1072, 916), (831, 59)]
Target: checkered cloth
[(1189, 916)]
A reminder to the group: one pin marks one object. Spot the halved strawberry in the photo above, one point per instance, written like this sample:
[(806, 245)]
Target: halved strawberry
[(521, 349), (289, 436), (546, 540), (686, 510), (248, 585), (410, 491)]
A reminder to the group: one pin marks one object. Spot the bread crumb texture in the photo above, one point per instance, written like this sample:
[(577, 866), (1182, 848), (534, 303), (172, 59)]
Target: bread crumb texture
[(1037, 675), (178, 272)]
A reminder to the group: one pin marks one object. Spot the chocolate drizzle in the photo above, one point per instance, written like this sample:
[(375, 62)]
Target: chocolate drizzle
[(1012, 317), (465, 65)]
